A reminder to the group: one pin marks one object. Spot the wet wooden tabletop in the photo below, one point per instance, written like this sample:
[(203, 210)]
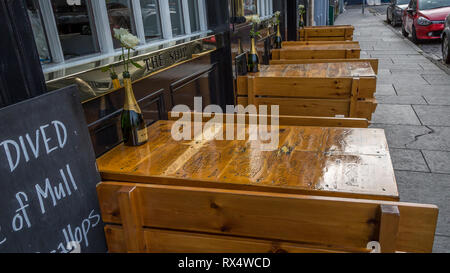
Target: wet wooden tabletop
[(308, 160), (320, 70)]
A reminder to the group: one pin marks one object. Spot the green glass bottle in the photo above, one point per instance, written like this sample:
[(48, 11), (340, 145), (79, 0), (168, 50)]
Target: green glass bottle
[(253, 60), (133, 125), (278, 39)]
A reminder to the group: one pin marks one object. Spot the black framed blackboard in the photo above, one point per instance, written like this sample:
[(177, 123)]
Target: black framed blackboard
[(48, 177)]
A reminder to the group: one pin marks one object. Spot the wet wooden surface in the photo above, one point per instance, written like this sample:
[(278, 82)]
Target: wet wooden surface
[(318, 70), (309, 160)]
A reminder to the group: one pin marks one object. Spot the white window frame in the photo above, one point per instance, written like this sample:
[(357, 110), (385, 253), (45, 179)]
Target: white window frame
[(104, 37), (265, 9)]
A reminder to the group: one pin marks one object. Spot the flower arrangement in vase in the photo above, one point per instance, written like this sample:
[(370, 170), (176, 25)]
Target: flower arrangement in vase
[(253, 59), (134, 129), (302, 12), (278, 40)]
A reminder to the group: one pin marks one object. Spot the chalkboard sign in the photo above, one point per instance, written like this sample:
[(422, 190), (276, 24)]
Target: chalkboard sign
[(48, 177)]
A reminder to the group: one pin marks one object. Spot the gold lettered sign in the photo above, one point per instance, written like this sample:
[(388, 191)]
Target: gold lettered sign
[(167, 58)]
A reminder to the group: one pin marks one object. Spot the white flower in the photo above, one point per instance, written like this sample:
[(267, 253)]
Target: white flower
[(277, 13), (301, 7), (127, 39), (255, 19)]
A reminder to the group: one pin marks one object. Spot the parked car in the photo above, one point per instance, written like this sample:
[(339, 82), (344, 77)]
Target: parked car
[(424, 19), (446, 41), (395, 10)]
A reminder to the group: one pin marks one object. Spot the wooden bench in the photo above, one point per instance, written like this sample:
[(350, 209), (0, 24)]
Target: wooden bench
[(299, 93), (161, 218), (282, 120), (373, 62), (326, 33), (318, 51)]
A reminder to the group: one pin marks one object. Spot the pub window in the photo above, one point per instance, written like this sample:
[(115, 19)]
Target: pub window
[(72, 35), (194, 15), (75, 28), (151, 19), (38, 31), (250, 7), (120, 16), (176, 17)]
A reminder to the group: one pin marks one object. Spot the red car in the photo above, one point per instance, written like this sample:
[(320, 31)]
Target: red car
[(424, 19)]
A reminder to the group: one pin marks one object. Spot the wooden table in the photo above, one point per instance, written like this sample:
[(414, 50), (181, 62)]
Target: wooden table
[(316, 89), (318, 70), (318, 51), (309, 160), (229, 196)]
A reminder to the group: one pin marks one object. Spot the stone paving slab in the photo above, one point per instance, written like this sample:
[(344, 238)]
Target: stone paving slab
[(385, 90), (438, 100), (413, 78), (437, 79), (433, 115), (441, 244), (439, 161), (401, 136), (406, 100), (436, 138), (408, 160), (395, 114), (422, 90), (427, 188)]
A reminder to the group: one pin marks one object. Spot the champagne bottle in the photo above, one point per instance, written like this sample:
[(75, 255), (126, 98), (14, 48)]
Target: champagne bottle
[(134, 129), (115, 81), (253, 60), (278, 39)]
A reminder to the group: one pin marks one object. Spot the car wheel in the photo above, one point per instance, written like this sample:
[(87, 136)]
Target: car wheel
[(414, 36), (446, 49), (393, 22), (406, 34)]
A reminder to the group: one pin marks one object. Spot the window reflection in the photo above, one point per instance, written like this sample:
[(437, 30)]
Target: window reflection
[(75, 27), (120, 16), (194, 15), (250, 7), (151, 19), (176, 17), (38, 31)]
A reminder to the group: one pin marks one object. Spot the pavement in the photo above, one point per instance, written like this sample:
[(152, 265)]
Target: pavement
[(413, 93)]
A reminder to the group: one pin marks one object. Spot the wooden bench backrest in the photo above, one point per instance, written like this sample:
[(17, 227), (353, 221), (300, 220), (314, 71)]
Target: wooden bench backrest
[(301, 96), (373, 62), (217, 215), (326, 33), (282, 120)]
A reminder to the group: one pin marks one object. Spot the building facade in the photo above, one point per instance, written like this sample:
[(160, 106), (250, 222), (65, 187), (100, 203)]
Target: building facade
[(187, 48)]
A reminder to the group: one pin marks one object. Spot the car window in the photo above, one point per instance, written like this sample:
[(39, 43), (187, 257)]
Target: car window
[(402, 2), (433, 4)]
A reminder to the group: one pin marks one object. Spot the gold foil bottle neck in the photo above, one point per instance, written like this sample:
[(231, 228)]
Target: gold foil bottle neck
[(116, 83), (253, 49), (130, 101), (240, 50), (278, 31)]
